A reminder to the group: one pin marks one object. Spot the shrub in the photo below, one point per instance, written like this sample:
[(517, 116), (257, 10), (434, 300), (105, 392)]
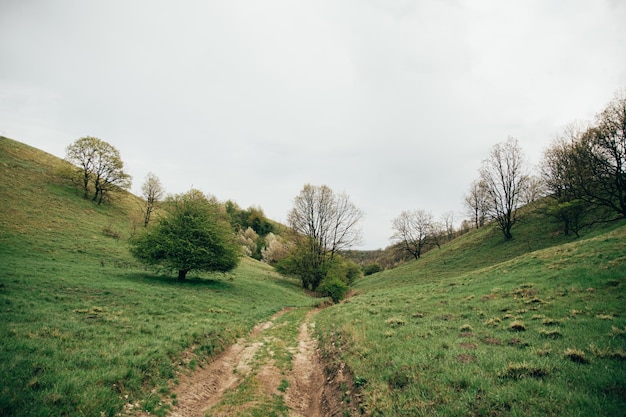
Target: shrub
[(109, 231), (372, 268), (333, 288)]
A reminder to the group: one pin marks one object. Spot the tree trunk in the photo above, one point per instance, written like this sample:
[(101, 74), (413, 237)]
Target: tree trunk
[(182, 274)]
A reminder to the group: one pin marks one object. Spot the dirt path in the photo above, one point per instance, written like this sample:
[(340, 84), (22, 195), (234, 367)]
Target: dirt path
[(306, 382), (251, 378)]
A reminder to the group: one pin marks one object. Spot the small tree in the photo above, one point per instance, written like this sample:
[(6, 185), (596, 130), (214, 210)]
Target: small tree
[(100, 165), (413, 230), (504, 177), (152, 191), (195, 235), (477, 203)]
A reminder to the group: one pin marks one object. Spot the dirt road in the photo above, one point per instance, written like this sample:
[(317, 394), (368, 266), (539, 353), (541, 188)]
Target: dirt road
[(275, 370)]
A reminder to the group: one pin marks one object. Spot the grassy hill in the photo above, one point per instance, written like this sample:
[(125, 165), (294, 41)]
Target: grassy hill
[(534, 326), (531, 327), (84, 329)]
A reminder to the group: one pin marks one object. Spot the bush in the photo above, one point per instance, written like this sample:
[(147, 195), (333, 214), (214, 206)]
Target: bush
[(372, 268), (334, 288)]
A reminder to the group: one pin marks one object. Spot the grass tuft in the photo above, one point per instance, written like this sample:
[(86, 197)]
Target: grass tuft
[(395, 322), (575, 355), (517, 326), (523, 370), (551, 334)]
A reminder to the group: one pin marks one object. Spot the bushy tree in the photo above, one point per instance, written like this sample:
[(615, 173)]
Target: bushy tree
[(276, 248), (100, 166), (194, 235)]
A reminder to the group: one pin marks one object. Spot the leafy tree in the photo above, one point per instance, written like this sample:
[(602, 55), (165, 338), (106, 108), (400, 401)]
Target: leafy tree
[(100, 165), (413, 230), (194, 235), (276, 249), (372, 268), (152, 191), (247, 239), (325, 223), (504, 177)]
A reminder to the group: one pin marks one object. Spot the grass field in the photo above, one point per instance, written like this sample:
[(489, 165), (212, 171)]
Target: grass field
[(492, 328), (531, 327), (84, 329)]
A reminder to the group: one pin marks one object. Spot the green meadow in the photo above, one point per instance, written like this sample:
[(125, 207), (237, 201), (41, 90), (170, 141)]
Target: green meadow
[(483, 327), (85, 330), (535, 326)]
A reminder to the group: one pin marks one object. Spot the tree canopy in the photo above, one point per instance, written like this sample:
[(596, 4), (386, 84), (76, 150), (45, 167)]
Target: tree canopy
[(195, 235), (100, 166)]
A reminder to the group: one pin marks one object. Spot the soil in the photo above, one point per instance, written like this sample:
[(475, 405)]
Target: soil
[(311, 392)]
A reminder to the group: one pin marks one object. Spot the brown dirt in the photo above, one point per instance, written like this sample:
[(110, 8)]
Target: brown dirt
[(310, 393), (306, 383)]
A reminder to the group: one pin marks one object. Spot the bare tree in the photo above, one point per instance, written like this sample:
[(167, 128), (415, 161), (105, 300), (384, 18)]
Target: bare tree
[(505, 178), (563, 170), (152, 191), (534, 190), (477, 203), (447, 220), (412, 231), (328, 218), (606, 184), (328, 223)]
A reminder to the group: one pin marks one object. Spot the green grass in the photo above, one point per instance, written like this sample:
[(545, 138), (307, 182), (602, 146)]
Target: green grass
[(486, 327), (535, 326), (84, 329)]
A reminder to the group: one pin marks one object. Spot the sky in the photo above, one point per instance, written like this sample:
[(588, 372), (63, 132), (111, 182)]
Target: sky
[(394, 103)]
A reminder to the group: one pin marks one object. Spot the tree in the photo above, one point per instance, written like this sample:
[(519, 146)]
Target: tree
[(563, 167), (477, 203), (504, 177), (99, 163), (606, 142), (276, 249), (152, 191), (326, 223), (535, 189), (413, 230), (194, 235), (447, 221)]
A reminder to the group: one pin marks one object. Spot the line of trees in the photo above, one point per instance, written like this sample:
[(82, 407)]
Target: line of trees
[(584, 169), (582, 172)]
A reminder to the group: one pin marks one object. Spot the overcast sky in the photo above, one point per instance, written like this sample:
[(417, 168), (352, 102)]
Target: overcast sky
[(395, 103)]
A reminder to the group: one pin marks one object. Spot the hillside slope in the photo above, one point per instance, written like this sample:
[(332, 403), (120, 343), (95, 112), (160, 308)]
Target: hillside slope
[(531, 327), (84, 329)]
